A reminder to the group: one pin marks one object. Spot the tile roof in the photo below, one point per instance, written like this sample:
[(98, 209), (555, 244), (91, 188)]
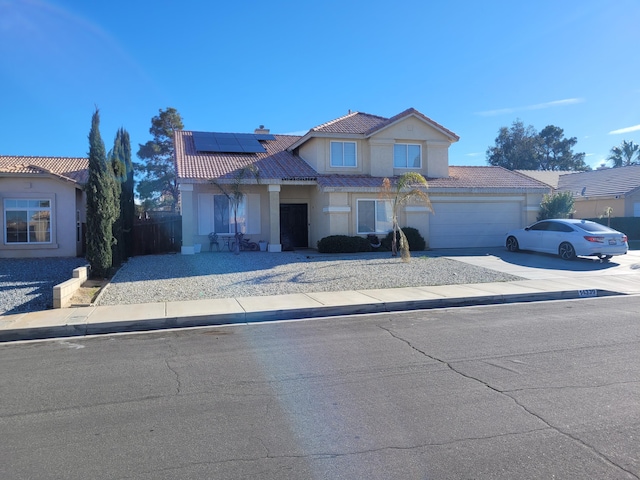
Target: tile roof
[(550, 177), (276, 164), (603, 182), (73, 169), (487, 178), (354, 122)]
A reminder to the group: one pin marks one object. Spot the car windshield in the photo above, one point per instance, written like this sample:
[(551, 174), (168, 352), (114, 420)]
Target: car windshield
[(593, 227)]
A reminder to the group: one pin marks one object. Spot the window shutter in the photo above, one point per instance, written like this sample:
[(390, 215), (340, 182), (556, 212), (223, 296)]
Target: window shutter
[(205, 213), (253, 213)]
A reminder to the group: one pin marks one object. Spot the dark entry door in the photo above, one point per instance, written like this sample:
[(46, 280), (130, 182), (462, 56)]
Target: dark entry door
[(293, 226)]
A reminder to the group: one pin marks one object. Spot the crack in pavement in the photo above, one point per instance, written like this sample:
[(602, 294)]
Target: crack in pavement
[(599, 454)]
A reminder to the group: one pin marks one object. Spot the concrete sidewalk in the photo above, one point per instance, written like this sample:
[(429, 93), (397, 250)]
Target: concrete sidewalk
[(548, 278)]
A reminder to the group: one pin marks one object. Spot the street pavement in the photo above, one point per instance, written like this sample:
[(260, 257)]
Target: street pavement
[(526, 391), (546, 278)]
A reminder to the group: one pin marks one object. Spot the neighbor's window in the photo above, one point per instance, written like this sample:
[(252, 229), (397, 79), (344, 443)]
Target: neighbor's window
[(374, 216), (343, 154), (27, 221), (407, 155)]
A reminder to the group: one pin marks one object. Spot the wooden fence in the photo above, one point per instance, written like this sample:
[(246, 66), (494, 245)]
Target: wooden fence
[(157, 235)]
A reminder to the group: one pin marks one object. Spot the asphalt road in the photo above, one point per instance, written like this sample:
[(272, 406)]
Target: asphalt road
[(529, 391)]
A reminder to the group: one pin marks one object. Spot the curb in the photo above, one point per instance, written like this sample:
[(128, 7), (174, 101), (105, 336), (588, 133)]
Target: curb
[(82, 328)]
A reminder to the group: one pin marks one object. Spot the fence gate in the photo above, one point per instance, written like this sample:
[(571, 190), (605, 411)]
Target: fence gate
[(157, 235)]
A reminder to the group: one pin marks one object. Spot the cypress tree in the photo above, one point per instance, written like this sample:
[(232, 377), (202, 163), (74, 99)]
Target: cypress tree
[(117, 174), (127, 205), (101, 210)]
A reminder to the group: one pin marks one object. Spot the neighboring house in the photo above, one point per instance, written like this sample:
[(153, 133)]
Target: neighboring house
[(43, 206), (597, 190), (327, 182)]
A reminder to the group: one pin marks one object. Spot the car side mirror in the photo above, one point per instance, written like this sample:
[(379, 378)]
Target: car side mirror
[(527, 229)]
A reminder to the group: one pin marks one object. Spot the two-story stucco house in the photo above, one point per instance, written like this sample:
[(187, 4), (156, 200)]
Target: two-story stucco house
[(327, 182)]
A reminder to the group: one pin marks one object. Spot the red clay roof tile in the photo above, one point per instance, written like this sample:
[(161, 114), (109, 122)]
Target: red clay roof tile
[(70, 168)]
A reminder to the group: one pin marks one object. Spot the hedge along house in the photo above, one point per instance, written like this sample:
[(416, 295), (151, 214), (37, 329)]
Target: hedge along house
[(43, 206), (328, 181)]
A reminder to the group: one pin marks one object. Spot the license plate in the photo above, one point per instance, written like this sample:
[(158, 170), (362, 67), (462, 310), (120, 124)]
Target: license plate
[(612, 241)]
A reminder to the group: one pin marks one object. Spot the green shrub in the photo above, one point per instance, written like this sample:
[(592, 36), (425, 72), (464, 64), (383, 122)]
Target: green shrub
[(343, 244), (416, 241), (556, 205)]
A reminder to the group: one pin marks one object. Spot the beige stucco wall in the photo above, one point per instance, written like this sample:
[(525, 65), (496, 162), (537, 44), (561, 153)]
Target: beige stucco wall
[(595, 207), (375, 154), (64, 205)]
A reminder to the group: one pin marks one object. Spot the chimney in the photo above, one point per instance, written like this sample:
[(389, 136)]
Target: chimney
[(260, 130)]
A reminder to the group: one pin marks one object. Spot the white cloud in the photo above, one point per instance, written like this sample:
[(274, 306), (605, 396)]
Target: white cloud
[(625, 130), (537, 106), (474, 154)]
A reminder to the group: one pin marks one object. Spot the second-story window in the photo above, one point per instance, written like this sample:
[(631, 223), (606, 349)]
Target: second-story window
[(343, 154), (407, 155)]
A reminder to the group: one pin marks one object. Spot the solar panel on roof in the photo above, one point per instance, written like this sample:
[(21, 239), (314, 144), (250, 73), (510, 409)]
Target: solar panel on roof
[(263, 137), (227, 142)]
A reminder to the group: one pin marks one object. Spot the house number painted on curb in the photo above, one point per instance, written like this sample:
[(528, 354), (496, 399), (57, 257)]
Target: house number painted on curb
[(588, 293)]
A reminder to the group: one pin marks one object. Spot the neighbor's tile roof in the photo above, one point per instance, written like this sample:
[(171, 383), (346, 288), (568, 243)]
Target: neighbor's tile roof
[(550, 177), (74, 169), (459, 178), (367, 124), (276, 163), (603, 182)]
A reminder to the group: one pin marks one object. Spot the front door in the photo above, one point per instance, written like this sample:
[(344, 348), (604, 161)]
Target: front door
[(293, 226)]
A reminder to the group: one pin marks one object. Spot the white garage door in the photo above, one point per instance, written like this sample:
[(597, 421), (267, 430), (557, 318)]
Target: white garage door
[(472, 223)]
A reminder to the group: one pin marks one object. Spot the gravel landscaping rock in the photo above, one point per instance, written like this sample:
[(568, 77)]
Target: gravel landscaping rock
[(26, 284), (159, 278)]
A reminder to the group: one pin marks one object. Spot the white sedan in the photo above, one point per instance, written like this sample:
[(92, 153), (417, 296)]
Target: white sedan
[(569, 238)]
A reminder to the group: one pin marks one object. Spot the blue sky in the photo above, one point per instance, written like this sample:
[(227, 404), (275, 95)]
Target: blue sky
[(231, 66)]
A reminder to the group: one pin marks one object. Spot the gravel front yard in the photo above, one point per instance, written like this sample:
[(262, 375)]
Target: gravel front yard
[(26, 285), (158, 278)]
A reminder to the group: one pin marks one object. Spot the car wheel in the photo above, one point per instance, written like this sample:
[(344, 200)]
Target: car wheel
[(605, 258), (566, 251), (512, 244)]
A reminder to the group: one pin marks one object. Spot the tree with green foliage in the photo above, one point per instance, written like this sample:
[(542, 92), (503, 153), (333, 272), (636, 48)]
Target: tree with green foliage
[(234, 193), (122, 169), (410, 186), (556, 151), (523, 148), (625, 154), (556, 205), (159, 183), (101, 204)]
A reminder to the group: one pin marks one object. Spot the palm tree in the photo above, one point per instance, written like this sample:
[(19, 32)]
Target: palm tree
[(627, 153), (235, 195), (409, 186)]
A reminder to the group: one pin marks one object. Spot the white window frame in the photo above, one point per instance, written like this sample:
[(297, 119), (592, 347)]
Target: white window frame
[(406, 155), (378, 228), (333, 162), (30, 210)]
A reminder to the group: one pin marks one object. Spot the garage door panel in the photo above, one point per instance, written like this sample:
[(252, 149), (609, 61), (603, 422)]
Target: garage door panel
[(468, 224)]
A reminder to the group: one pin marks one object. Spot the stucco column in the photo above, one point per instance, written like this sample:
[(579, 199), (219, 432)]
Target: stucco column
[(188, 225), (274, 219)]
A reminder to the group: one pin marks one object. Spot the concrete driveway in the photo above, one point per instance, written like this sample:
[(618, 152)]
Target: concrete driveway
[(539, 266)]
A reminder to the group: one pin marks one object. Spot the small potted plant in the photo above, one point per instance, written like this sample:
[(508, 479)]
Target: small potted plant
[(263, 245)]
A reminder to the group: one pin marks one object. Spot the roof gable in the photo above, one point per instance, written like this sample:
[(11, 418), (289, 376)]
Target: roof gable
[(366, 125)]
